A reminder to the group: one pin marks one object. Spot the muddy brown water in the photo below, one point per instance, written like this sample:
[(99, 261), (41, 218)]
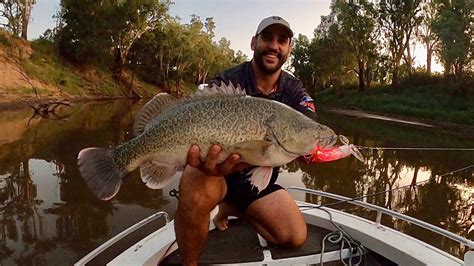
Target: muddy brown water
[(48, 216)]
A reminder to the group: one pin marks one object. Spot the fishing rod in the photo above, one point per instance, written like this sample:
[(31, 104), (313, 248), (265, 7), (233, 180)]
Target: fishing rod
[(398, 188)]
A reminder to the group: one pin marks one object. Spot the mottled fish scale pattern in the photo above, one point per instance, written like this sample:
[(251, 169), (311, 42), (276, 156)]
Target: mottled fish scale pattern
[(224, 120), (265, 133)]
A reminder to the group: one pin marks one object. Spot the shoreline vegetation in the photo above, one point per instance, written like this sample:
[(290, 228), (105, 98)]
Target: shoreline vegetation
[(43, 76), (357, 59)]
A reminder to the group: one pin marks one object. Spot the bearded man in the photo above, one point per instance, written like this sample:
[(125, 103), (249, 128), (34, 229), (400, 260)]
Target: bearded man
[(205, 184)]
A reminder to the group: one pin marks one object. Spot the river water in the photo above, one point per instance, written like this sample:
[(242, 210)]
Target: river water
[(49, 217)]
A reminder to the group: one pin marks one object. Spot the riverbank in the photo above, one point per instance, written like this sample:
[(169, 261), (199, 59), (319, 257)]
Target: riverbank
[(434, 99), (442, 126), (33, 72)]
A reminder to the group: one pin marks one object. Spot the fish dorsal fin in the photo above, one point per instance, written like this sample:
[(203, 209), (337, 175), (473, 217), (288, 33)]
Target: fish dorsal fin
[(223, 89), (152, 109)]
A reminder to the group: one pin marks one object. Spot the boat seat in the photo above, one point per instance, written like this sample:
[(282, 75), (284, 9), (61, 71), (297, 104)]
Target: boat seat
[(240, 244)]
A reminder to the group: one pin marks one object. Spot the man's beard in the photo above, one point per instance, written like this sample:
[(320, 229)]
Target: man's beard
[(258, 57)]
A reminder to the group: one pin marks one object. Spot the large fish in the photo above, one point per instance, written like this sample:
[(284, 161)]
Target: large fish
[(263, 132)]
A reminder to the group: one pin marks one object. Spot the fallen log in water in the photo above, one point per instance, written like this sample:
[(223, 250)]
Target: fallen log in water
[(47, 107)]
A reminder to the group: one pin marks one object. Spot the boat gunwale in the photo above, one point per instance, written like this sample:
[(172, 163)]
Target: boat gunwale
[(94, 253), (302, 204), (381, 210)]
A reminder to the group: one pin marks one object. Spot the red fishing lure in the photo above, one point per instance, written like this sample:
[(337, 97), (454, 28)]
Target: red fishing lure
[(327, 155)]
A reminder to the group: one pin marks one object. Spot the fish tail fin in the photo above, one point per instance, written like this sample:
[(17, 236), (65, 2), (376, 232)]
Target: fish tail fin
[(102, 175)]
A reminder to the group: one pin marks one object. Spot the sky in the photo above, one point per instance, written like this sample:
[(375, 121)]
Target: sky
[(235, 20)]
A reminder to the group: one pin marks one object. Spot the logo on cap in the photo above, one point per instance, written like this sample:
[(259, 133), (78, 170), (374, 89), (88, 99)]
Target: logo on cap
[(274, 20)]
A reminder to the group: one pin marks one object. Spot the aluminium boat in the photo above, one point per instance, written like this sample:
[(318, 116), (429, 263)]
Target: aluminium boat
[(335, 237)]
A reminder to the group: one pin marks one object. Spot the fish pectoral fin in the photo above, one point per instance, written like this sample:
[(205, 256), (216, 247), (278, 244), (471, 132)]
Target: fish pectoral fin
[(252, 151), (156, 175), (261, 177)]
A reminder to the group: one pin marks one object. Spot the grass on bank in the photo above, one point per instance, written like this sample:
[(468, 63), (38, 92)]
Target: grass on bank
[(44, 64), (435, 100)]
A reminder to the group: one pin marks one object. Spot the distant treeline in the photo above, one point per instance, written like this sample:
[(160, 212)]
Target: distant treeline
[(372, 42), (139, 35), (360, 43)]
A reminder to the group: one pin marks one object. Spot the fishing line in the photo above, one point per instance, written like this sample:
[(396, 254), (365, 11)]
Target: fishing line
[(343, 237), (402, 187), (414, 148)]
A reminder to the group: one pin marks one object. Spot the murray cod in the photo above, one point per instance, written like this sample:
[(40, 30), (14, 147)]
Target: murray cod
[(263, 132)]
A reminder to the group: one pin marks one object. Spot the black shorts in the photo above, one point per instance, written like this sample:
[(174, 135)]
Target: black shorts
[(240, 192)]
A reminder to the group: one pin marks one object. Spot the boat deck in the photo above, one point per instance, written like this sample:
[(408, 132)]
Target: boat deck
[(240, 244), (147, 242)]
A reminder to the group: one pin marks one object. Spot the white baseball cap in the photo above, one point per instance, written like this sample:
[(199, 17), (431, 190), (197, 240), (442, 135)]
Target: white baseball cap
[(271, 21)]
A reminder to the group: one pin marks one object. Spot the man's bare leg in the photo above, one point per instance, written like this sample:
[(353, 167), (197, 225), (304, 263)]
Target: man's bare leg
[(202, 187), (277, 218), (199, 194)]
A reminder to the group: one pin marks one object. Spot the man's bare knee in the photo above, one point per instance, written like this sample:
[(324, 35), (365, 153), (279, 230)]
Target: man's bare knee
[(298, 238), (277, 217), (292, 238)]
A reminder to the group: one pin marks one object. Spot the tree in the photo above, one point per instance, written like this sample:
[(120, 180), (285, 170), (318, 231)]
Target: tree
[(104, 31), (175, 53), (453, 26), (425, 31), (85, 37), (17, 15), (332, 61), (301, 61), (128, 20), (203, 53), (357, 29), (397, 20)]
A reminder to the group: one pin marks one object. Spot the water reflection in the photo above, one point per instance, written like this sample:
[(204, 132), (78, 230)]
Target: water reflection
[(442, 198), (47, 213), (48, 216)]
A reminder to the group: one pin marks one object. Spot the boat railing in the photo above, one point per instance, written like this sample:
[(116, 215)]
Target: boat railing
[(381, 210), (121, 235)]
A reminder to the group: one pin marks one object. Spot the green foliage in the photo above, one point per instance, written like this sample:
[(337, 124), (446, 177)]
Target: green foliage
[(301, 61), (142, 36), (85, 38), (398, 20), (45, 65), (15, 16), (349, 48), (176, 54), (357, 31), (332, 60), (453, 26), (421, 96)]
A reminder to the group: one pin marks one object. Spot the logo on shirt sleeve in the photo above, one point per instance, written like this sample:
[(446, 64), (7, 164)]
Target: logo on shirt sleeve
[(308, 103)]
